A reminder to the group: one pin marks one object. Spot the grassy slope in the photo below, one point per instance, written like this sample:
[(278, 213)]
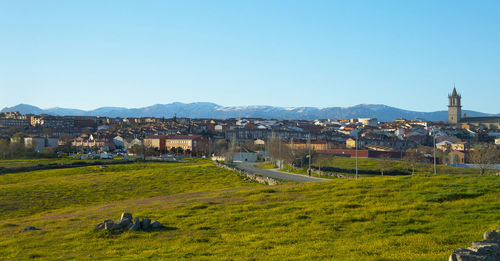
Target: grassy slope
[(368, 219), (34, 162), (33, 192)]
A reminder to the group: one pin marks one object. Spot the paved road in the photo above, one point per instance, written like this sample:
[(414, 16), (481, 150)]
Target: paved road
[(276, 174)]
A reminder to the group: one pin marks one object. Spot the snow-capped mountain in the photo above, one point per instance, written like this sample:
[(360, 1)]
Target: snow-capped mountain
[(212, 110)]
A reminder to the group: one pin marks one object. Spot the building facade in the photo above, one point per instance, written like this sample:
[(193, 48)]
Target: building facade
[(454, 107)]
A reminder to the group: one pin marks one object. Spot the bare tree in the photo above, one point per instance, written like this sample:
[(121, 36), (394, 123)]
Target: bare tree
[(444, 157), (220, 147), (65, 141), (4, 148), (249, 145), (413, 159), (321, 161), (484, 157), (231, 151), (279, 151), (385, 163)]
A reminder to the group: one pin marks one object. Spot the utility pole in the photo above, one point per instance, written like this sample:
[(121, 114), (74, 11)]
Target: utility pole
[(279, 153), (434, 138), (309, 145), (143, 147), (356, 154)]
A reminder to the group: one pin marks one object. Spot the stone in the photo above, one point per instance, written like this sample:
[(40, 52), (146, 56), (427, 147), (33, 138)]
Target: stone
[(102, 225), (486, 250), (129, 226), (156, 225), (135, 226), (146, 223), (491, 235), (116, 226), (124, 223), (109, 226), (99, 226), (126, 215), (30, 228), (127, 223)]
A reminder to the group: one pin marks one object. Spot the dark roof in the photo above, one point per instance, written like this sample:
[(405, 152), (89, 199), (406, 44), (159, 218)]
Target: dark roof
[(157, 137), (481, 119), (184, 137)]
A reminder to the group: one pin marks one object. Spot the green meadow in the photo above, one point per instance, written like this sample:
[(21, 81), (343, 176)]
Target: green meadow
[(377, 165), (8, 165), (214, 214)]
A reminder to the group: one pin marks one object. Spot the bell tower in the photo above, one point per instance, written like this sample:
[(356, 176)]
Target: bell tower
[(454, 107)]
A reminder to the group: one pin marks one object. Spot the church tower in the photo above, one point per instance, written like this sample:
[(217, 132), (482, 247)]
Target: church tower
[(454, 107)]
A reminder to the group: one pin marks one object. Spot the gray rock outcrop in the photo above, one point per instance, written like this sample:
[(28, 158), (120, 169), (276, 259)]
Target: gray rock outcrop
[(486, 250), (126, 215), (136, 225), (30, 228), (155, 225), (126, 223), (145, 224)]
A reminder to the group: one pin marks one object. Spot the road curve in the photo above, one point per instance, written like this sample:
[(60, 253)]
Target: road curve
[(276, 174)]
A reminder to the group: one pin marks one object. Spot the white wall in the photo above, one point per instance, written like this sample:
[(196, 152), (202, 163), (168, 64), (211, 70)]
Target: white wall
[(245, 157)]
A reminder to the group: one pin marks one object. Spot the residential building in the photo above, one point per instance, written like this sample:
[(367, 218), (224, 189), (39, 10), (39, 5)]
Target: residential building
[(10, 122), (245, 157), (350, 143), (368, 121), (155, 141), (460, 146), (315, 145), (37, 143), (193, 143)]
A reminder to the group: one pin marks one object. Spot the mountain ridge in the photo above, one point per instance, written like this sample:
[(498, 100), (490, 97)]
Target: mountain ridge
[(212, 110)]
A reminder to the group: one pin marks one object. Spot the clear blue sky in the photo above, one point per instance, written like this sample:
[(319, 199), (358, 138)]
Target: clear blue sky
[(407, 54)]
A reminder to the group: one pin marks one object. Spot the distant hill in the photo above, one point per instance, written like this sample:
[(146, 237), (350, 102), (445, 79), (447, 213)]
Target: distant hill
[(212, 110)]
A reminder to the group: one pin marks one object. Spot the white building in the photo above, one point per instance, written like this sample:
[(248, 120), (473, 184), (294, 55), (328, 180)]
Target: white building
[(130, 144), (259, 142), (118, 141), (37, 143), (245, 157), (51, 142), (368, 121), (218, 128)]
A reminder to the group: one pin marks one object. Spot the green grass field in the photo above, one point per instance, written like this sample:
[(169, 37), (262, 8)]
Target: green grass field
[(212, 214), (15, 163), (397, 165), (374, 164)]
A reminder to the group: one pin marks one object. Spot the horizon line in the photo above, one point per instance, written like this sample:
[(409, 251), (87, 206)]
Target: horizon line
[(229, 106)]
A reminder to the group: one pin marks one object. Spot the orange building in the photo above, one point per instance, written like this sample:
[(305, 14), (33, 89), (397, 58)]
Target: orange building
[(194, 143), (317, 145)]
